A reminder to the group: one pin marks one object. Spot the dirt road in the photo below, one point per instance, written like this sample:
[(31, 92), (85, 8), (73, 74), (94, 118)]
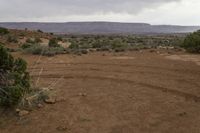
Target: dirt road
[(133, 92)]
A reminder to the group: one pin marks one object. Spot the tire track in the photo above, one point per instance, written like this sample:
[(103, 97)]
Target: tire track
[(185, 95), (122, 65)]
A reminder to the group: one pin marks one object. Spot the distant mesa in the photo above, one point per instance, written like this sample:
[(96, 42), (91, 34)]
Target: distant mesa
[(99, 27)]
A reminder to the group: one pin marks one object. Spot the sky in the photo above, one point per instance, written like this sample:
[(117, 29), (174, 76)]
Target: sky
[(175, 12)]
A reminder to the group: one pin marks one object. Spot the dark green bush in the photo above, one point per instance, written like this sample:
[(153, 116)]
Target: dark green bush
[(53, 43), (12, 39), (14, 79), (74, 45), (26, 45), (192, 42), (37, 40), (29, 40), (40, 31), (37, 49), (59, 38), (3, 31)]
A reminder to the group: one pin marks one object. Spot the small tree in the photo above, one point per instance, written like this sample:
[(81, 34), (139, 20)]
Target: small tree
[(192, 42), (14, 79)]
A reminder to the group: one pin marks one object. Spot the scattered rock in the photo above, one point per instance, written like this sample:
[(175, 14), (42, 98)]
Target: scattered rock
[(62, 128), (61, 99), (152, 51), (22, 113), (50, 101), (17, 110), (182, 114), (82, 94), (40, 105)]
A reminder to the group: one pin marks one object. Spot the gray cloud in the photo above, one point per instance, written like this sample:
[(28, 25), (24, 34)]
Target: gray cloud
[(45, 8)]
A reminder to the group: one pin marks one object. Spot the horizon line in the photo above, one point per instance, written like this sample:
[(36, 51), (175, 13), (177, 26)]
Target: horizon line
[(97, 22)]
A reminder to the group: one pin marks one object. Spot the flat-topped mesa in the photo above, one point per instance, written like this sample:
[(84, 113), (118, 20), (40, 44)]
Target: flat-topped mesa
[(100, 27)]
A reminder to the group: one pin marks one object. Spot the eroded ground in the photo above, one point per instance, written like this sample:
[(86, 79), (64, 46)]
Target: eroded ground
[(133, 92)]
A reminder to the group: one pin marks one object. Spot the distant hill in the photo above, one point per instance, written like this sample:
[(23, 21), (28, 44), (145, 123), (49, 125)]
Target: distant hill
[(100, 27)]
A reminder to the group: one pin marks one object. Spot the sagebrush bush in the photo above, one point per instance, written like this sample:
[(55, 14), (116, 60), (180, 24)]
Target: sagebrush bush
[(3, 31), (53, 43), (74, 45), (12, 39), (37, 49), (192, 42), (14, 79), (29, 40), (26, 45), (37, 40)]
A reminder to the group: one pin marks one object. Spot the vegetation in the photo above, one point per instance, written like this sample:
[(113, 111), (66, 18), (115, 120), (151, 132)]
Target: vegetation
[(3, 31), (37, 49), (29, 40), (192, 42), (40, 31), (53, 43), (12, 39), (37, 40), (120, 43), (26, 45), (14, 79)]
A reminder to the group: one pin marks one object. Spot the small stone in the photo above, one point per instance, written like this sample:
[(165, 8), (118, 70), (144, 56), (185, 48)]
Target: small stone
[(182, 114), (61, 99), (22, 113), (17, 110), (39, 105), (50, 101), (82, 94), (62, 128)]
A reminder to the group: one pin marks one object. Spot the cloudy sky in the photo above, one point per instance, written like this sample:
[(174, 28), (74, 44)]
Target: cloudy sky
[(180, 12)]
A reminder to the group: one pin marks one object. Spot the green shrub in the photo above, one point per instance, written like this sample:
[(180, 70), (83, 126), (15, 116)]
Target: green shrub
[(192, 42), (29, 40), (37, 40), (14, 81), (53, 43), (3, 31), (74, 45), (37, 49), (59, 38), (26, 45), (40, 31), (12, 39)]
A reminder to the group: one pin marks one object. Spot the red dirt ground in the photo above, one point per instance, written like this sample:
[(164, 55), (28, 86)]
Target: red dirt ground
[(133, 92)]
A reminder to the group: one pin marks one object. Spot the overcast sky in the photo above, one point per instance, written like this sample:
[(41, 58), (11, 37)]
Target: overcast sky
[(179, 12)]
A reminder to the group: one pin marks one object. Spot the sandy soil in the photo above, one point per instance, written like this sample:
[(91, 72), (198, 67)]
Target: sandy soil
[(133, 92)]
